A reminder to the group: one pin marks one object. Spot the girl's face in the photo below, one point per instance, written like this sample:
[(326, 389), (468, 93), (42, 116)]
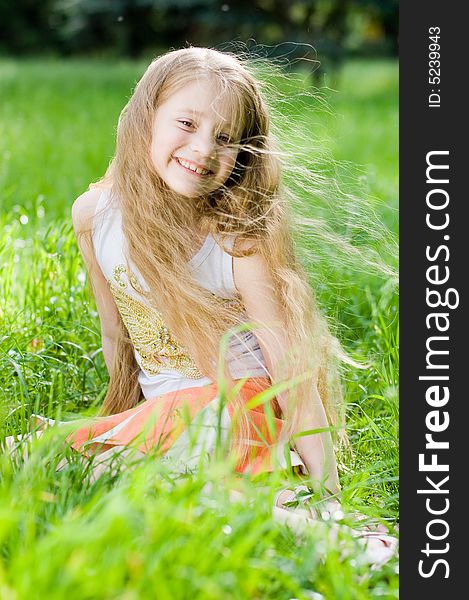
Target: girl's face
[(193, 147)]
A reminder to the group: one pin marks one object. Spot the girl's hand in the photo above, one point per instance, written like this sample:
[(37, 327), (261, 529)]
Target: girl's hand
[(301, 500), (328, 509)]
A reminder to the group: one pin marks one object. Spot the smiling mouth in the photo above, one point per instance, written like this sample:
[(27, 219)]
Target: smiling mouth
[(192, 168)]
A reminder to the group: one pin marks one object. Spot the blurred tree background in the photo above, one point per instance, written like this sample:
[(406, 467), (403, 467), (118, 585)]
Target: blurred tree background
[(337, 29)]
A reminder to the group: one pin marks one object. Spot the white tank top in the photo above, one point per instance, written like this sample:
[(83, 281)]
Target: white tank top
[(164, 365)]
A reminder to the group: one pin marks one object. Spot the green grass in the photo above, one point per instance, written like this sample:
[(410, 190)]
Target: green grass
[(152, 533)]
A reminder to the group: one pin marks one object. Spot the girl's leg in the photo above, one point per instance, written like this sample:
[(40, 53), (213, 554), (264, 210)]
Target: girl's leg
[(106, 461), (14, 444), (378, 546)]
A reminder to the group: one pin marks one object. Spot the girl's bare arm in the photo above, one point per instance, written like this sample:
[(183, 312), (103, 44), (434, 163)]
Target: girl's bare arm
[(257, 291), (83, 211)]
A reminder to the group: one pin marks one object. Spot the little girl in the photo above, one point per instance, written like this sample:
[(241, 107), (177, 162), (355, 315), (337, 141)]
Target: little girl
[(187, 244)]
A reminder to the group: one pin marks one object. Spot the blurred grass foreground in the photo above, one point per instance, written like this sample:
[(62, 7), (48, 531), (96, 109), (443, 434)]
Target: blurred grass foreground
[(150, 533)]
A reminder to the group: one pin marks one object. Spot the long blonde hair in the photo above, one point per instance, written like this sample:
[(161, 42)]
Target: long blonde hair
[(159, 228)]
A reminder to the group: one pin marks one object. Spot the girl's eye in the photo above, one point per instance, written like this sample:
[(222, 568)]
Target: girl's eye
[(224, 138), (186, 123)]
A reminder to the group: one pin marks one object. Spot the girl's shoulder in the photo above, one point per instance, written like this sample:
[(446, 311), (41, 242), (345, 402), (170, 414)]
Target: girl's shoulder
[(250, 268), (84, 209)]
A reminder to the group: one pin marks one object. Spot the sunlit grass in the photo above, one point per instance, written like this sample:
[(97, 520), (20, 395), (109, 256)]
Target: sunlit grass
[(152, 533)]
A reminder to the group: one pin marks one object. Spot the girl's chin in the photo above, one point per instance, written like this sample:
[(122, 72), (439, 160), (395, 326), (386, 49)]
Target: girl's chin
[(190, 191), (189, 194)]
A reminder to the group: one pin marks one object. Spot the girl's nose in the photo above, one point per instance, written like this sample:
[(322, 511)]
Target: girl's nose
[(203, 144)]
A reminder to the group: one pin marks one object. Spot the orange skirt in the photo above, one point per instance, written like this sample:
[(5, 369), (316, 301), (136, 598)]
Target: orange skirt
[(187, 425)]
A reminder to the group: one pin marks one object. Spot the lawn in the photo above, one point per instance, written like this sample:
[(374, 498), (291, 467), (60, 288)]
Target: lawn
[(152, 533)]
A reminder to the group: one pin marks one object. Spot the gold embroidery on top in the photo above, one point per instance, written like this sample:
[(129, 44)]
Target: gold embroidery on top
[(119, 270), (150, 336)]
